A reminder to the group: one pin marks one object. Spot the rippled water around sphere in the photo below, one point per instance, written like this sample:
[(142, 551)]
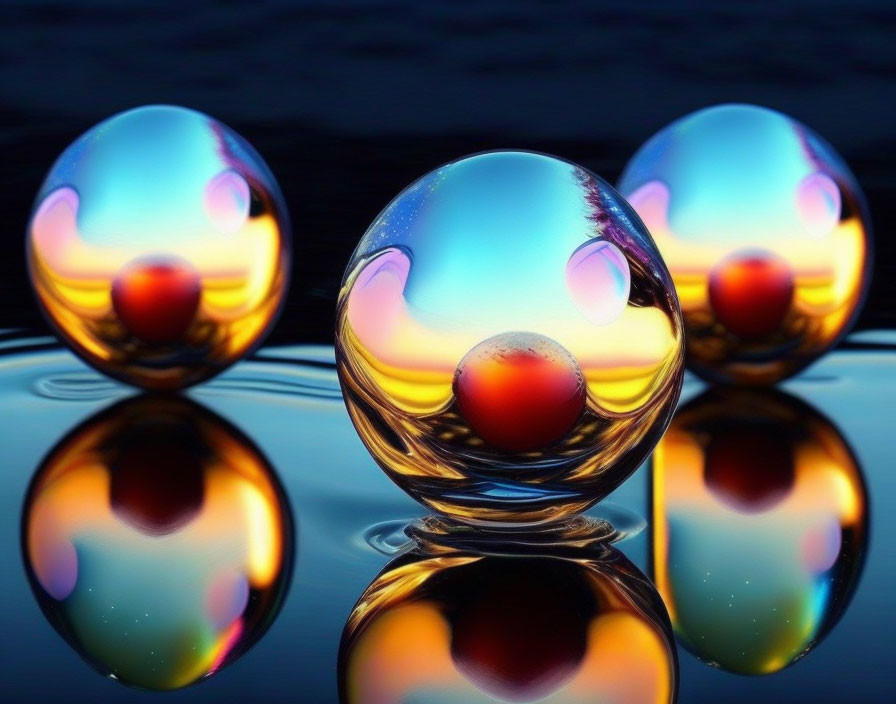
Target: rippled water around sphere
[(349, 515)]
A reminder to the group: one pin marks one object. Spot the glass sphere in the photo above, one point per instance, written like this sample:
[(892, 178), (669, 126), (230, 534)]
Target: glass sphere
[(508, 339), (159, 247), (759, 528), (158, 542), (469, 628), (765, 232)]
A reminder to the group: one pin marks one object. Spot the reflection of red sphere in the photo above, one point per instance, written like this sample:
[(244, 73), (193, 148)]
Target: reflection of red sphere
[(751, 292), (157, 298), (749, 467), (157, 479), (519, 391), (520, 631)]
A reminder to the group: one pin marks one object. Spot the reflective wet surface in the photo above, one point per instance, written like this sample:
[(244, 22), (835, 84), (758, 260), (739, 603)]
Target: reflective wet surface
[(759, 527), (348, 517), (579, 626), (158, 542)]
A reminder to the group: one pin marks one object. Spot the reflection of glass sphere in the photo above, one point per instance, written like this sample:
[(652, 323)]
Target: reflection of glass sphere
[(158, 542), (759, 528), (159, 247), (471, 628), (766, 235), (508, 338)]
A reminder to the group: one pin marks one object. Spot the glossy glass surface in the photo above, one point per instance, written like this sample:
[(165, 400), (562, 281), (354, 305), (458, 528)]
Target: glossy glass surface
[(158, 542), (765, 232), (508, 339), (759, 528), (159, 247), (473, 628)]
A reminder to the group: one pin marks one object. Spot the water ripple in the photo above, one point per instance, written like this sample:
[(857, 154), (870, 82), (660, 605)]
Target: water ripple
[(626, 522), (606, 522), (254, 378), (388, 537), (78, 386), (261, 383)]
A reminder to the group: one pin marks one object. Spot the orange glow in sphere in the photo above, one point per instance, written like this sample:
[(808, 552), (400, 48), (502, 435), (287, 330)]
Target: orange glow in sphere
[(157, 300), (751, 293), (473, 628), (158, 542), (749, 467), (159, 247), (759, 527), (508, 340), (520, 392), (766, 234)]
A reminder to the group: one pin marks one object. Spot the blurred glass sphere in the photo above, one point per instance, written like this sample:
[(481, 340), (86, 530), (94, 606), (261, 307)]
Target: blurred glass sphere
[(159, 247), (765, 232)]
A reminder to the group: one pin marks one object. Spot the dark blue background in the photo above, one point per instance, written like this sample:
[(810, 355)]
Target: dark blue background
[(350, 101)]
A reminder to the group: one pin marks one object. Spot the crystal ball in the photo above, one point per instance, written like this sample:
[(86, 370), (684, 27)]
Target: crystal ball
[(508, 339), (158, 247), (474, 628), (158, 542), (760, 527), (765, 232)]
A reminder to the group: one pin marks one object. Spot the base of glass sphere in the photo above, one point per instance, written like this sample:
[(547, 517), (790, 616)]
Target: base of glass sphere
[(577, 533)]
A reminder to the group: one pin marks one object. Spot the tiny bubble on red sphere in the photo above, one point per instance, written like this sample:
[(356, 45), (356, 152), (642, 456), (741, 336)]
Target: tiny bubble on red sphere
[(751, 293), (156, 299), (520, 391)]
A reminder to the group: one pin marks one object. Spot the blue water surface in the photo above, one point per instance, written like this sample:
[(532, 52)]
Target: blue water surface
[(348, 517)]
